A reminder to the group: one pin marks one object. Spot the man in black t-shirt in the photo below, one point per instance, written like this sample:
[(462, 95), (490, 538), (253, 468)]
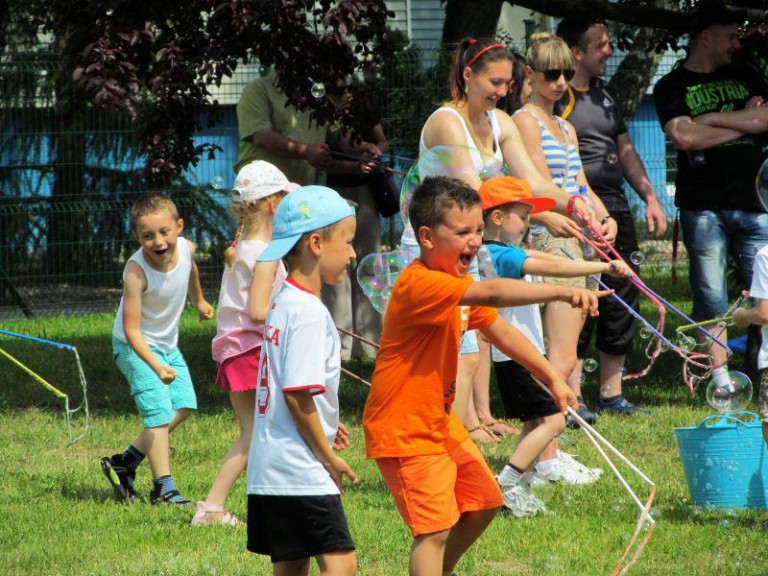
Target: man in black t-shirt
[(712, 111), (608, 156)]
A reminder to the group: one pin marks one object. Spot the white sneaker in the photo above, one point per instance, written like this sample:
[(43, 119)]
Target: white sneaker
[(519, 499), (571, 461), (564, 471)]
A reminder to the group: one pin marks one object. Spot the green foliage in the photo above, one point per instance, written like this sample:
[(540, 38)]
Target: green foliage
[(156, 60)]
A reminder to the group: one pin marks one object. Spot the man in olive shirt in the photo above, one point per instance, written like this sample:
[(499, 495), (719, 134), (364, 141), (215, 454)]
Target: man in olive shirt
[(279, 134)]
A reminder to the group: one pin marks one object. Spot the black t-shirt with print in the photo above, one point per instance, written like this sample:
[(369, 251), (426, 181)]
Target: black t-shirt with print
[(721, 177), (598, 124)]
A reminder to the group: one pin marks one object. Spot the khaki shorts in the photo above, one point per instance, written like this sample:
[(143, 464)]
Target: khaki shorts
[(543, 241)]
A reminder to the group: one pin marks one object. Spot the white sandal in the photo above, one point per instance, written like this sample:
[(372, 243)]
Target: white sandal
[(201, 516)]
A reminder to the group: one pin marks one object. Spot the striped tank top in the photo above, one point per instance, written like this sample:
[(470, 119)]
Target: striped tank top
[(562, 158)]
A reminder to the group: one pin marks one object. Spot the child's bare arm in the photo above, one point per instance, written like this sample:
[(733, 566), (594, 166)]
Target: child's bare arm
[(757, 315), (134, 286), (261, 290), (504, 292), (304, 412), (565, 268), (195, 289), (516, 345)]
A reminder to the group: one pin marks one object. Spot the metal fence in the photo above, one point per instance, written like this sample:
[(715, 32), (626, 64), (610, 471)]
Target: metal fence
[(67, 183)]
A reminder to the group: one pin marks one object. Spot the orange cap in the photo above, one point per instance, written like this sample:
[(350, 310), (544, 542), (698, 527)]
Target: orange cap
[(501, 190)]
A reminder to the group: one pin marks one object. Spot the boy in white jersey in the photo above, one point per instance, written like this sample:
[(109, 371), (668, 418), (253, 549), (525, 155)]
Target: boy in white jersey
[(294, 478), (156, 282)]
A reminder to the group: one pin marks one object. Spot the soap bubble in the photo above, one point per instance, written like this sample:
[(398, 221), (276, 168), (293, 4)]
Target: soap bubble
[(318, 90), (732, 396), (645, 333), (376, 274), (218, 182), (637, 257), (590, 365), (686, 343)]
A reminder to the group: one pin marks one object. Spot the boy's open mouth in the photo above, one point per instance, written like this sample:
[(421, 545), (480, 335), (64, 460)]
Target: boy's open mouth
[(161, 252), (466, 259)]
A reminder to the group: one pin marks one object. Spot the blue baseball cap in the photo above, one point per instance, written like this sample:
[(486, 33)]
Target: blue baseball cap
[(306, 209)]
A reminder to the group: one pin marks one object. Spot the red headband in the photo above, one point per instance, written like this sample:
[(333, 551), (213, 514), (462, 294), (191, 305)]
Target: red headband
[(483, 51)]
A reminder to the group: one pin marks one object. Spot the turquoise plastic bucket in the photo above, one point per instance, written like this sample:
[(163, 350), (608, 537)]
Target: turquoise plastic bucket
[(725, 461)]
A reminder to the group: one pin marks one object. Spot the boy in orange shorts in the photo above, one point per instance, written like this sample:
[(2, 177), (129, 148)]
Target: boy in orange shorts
[(443, 489)]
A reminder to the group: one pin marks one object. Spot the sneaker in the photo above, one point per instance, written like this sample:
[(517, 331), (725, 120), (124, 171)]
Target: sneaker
[(519, 500), (617, 405), (584, 413), (170, 497), (120, 476), (569, 460), (564, 471)]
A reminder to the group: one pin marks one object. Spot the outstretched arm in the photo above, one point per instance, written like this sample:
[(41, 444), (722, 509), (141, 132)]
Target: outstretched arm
[(504, 292), (565, 268)]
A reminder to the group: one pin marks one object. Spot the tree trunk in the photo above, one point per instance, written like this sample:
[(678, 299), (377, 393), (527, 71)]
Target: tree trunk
[(470, 18), (634, 74)]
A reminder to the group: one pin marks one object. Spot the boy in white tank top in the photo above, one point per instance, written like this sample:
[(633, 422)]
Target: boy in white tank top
[(156, 282)]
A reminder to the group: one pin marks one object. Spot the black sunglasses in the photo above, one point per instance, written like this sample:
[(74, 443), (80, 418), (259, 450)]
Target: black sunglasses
[(554, 74)]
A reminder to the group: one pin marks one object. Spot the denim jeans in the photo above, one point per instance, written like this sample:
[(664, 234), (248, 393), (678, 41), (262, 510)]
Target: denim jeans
[(709, 237)]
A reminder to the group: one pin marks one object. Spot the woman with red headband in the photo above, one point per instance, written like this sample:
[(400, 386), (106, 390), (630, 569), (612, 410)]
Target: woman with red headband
[(480, 134)]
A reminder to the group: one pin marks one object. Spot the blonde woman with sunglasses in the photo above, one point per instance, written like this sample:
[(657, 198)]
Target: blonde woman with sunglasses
[(552, 145)]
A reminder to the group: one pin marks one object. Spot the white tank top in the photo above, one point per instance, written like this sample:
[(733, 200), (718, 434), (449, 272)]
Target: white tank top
[(408, 240), (162, 302)]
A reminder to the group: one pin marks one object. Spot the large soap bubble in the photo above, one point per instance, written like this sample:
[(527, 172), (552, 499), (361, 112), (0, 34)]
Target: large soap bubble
[(376, 274), (732, 396), (455, 161)]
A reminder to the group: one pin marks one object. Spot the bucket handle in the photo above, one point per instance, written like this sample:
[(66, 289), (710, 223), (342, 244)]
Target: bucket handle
[(714, 419)]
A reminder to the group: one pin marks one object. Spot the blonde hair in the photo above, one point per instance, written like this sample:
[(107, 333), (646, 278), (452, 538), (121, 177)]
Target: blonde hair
[(547, 52), (246, 220)]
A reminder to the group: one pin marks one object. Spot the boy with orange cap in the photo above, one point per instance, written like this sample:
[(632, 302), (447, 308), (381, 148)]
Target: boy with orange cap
[(507, 205)]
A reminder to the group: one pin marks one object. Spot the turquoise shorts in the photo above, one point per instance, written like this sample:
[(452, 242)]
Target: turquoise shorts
[(157, 402)]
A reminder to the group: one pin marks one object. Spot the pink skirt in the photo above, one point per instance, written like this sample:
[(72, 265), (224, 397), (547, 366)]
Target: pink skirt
[(239, 373)]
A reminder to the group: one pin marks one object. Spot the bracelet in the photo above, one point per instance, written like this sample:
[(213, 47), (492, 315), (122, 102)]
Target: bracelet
[(569, 205)]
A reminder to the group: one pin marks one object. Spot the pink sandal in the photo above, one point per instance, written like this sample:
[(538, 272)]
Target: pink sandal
[(217, 516)]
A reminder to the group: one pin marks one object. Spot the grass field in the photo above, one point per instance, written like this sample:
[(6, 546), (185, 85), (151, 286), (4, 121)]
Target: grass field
[(58, 517)]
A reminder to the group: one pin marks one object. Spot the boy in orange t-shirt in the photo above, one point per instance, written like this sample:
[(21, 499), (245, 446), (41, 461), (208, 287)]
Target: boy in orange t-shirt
[(442, 486)]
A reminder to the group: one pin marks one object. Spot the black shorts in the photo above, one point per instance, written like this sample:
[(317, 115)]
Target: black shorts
[(523, 398), (615, 326), (294, 527)]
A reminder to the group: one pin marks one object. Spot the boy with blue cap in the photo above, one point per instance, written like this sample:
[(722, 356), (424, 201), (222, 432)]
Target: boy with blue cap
[(294, 477)]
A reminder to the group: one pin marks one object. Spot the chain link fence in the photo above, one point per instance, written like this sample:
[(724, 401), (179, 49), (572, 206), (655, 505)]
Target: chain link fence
[(67, 182)]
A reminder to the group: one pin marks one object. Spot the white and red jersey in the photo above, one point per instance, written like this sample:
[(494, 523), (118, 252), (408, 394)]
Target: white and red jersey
[(301, 351)]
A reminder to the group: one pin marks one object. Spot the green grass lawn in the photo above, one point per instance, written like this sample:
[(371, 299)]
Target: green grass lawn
[(58, 516)]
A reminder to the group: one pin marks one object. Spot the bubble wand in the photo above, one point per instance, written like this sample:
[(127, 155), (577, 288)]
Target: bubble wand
[(637, 281), (645, 522), (703, 364)]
